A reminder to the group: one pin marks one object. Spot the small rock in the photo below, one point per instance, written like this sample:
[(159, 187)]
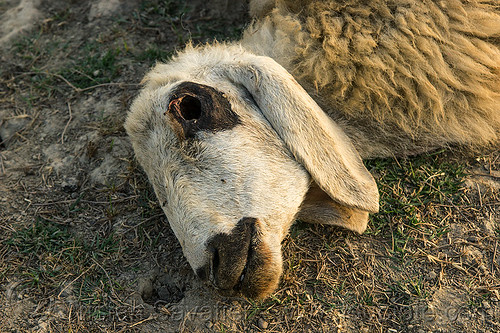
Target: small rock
[(262, 324), (432, 275)]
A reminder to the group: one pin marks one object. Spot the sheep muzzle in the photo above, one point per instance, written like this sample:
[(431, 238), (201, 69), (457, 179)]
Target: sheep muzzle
[(240, 262)]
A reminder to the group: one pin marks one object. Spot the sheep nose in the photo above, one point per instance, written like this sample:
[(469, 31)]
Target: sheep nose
[(229, 254)]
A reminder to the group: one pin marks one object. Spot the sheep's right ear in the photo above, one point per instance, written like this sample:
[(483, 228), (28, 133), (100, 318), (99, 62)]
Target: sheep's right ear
[(314, 139)]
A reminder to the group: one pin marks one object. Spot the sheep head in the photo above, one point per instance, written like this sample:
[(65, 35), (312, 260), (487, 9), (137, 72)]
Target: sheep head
[(236, 150)]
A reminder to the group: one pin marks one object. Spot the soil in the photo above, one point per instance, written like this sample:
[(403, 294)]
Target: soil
[(84, 246)]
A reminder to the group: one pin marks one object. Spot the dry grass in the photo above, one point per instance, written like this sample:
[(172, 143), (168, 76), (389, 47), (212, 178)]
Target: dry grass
[(383, 279), (80, 256)]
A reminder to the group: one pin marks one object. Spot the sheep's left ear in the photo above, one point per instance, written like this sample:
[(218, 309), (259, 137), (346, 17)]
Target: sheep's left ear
[(314, 139)]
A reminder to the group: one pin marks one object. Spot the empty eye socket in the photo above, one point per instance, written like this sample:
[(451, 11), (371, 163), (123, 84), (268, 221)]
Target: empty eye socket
[(190, 108)]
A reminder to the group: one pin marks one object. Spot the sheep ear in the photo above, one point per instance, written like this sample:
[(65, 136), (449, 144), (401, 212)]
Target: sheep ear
[(314, 139), (318, 207)]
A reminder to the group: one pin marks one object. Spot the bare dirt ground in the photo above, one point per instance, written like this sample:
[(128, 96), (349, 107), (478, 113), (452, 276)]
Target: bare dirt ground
[(85, 248)]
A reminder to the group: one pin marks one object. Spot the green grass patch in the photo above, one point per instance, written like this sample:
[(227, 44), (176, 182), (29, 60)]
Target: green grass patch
[(49, 259), (28, 47), (412, 194), (97, 67), (93, 64), (154, 54), (41, 237)]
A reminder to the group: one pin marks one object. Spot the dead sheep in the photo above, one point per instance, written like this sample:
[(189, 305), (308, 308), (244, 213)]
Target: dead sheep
[(241, 139)]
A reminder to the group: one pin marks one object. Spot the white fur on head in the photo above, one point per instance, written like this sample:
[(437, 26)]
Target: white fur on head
[(255, 169)]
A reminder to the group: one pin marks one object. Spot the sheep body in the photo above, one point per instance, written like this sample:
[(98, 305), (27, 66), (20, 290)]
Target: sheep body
[(400, 76)]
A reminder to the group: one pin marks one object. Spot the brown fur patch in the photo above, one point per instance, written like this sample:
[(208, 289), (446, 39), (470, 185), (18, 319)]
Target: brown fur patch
[(262, 276)]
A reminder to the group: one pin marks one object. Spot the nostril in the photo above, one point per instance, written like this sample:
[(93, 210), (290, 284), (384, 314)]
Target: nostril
[(203, 272), (209, 271), (215, 260)]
